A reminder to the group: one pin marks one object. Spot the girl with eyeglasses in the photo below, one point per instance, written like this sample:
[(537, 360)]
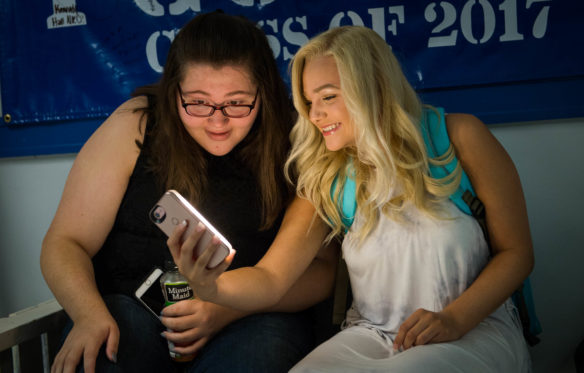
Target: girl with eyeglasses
[(215, 128)]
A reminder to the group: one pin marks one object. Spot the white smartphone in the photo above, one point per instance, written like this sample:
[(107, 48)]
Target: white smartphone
[(172, 209), (149, 293)]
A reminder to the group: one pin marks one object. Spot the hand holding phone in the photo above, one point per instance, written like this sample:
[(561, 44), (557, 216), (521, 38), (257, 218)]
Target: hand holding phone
[(172, 209)]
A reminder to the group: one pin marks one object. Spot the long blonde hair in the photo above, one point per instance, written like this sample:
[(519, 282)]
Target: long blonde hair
[(389, 161)]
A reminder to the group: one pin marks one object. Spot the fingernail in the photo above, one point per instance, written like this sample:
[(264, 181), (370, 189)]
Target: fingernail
[(163, 335), (200, 227), (114, 357), (183, 223)]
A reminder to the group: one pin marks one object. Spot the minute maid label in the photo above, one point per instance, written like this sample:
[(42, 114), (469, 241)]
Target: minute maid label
[(177, 291)]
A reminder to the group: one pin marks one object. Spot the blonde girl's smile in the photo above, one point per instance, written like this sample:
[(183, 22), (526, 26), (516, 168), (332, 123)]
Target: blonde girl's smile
[(328, 130)]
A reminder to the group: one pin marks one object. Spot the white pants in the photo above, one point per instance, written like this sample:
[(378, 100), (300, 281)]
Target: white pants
[(492, 346)]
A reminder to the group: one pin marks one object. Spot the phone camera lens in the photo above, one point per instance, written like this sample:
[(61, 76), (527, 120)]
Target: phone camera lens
[(158, 214)]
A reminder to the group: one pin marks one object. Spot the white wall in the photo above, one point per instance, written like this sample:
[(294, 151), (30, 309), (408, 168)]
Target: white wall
[(30, 189), (549, 158)]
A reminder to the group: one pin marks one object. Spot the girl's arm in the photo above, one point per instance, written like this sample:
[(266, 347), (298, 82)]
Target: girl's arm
[(497, 185), (91, 198), (261, 287)]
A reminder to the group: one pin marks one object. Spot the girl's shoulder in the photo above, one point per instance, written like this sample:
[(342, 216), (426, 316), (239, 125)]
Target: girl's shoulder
[(115, 139), (128, 120), (464, 128)]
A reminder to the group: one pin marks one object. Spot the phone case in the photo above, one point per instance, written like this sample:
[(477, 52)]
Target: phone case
[(172, 209)]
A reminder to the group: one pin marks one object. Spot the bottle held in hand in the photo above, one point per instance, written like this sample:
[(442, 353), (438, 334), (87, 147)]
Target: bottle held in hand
[(175, 288)]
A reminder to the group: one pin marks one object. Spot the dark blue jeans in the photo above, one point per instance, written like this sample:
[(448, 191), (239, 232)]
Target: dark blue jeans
[(267, 342)]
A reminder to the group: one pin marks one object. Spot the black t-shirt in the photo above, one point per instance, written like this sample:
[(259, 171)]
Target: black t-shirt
[(135, 245)]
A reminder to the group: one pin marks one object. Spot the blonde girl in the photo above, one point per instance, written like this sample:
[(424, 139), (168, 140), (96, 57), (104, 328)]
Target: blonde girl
[(427, 295)]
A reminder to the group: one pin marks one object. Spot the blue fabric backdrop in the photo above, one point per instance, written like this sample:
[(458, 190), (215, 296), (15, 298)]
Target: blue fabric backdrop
[(66, 64)]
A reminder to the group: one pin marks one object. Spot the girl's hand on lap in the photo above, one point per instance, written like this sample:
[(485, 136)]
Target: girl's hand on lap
[(424, 327)]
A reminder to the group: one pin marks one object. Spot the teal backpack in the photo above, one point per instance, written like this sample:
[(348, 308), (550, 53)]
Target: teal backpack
[(437, 143)]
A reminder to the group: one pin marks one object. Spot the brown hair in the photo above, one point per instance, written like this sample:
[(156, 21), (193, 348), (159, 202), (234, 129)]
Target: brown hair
[(177, 159)]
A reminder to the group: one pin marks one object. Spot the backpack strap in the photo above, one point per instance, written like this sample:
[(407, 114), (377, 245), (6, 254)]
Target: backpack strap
[(347, 204), (438, 145), (477, 210)]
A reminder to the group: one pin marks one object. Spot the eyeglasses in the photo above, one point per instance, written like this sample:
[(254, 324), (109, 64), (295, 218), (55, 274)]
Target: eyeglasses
[(206, 110)]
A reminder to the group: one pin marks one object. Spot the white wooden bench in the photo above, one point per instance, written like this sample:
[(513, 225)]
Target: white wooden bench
[(29, 338)]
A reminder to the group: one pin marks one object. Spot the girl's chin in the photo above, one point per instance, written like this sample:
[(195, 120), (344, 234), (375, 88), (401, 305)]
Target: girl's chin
[(218, 150)]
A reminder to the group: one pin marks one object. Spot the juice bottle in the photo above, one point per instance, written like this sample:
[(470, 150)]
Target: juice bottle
[(175, 288)]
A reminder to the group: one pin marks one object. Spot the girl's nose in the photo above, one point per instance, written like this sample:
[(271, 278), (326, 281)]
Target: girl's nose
[(315, 113), (218, 116)]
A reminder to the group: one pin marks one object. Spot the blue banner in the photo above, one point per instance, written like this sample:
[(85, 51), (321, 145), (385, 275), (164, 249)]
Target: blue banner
[(64, 60)]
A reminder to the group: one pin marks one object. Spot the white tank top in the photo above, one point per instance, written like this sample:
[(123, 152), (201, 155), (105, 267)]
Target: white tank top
[(423, 262)]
